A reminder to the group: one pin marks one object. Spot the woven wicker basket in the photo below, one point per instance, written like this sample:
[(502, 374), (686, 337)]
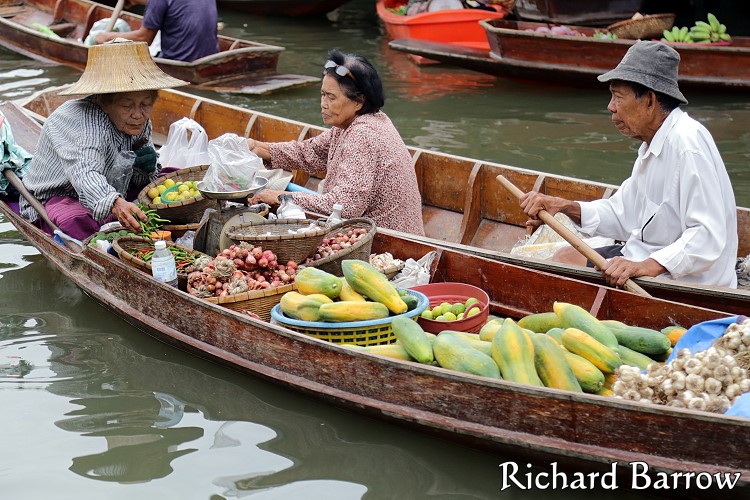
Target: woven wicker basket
[(363, 333), (180, 212), (259, 302), (274, 235), (360, 250), (644, 28), (179, 230), (126, 244)]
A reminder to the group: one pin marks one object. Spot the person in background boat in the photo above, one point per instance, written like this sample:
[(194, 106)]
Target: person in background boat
[(93, 151), (368, 167), (676, 213), (188, 28)]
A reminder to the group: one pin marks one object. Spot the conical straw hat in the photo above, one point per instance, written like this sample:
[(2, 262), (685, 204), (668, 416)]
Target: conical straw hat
[(121, 66)]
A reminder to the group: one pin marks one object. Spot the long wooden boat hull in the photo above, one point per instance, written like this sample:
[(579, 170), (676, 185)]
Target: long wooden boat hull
[(240, 65), (466, 209), (286, 8), (577, 432), (544, 55)]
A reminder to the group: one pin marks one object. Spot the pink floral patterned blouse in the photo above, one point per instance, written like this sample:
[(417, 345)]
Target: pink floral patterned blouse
[(368, 171)]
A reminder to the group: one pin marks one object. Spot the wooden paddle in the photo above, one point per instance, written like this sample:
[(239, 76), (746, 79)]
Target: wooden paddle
[(37, 205), (571, 238), (115, 14)]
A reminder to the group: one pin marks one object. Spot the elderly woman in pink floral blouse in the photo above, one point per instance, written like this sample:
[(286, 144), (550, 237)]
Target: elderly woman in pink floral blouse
[(368, 168)]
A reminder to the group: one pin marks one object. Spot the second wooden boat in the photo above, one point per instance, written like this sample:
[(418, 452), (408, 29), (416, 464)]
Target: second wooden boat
[(240, 66), (518, 50), (463, 206)]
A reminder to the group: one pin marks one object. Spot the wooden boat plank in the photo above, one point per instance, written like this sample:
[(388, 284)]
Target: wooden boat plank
[(258, 83), (449, 221)]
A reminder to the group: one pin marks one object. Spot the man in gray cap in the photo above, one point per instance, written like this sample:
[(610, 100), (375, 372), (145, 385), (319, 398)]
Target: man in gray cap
[(676, 213)]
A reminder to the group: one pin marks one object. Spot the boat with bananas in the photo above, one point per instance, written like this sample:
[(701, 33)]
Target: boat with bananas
[(55, 30), (633, 442), (575, 55), (463, 206)]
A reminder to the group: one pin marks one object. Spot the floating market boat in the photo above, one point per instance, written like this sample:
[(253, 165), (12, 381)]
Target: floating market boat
[(286, 8), (548, 427), (518, 50), (240, 66), (463, 205)]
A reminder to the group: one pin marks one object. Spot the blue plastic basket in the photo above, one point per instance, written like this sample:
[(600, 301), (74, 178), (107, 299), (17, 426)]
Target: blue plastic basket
[(364, 333)]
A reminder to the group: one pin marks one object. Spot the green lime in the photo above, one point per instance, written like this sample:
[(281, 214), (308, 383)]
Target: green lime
[(441, 318), (460, 316), (458, 308), (449, 316), (437, 311), (470, 301), (427, 314), (473, 311)]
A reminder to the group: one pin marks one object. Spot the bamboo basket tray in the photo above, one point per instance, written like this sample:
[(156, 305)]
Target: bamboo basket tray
[(360, 250), (645, 28), (274, 235), (259, 302), (363, 333), (125, 244), (180, 212)]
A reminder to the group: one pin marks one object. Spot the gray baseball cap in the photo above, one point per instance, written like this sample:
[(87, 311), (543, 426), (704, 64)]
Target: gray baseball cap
[(653, 65)]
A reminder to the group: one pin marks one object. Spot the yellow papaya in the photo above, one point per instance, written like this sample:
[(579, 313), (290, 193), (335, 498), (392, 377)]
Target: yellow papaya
[(540, 322), (454, 353), (303, 307), (368, 281), (551, 366), (573, 316), (347, 293), (583, 344), (312, 280), (489, 329), (352, 310), (394, 351), (513, 351), (642, 340), (412, 337), (589, 376)]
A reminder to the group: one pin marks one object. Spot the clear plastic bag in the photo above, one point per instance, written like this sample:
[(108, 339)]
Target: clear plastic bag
[(121, 172), (233, 165), (187, 145), (545, 241), (415, 272), (100, 26)]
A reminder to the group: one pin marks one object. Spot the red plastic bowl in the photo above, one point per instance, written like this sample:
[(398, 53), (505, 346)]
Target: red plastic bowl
[(454, 292)]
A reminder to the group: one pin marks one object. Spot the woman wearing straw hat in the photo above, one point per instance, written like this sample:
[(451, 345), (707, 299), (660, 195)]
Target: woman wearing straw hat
[(94, 150)]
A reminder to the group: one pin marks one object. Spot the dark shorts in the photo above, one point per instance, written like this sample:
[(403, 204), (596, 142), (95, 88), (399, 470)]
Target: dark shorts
[(607, 252)]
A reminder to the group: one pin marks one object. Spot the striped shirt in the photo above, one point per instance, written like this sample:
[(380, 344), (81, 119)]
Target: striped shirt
[(368, 171), (82, 155)]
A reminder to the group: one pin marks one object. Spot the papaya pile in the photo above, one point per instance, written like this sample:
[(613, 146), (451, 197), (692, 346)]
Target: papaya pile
[(567, 348), (362, 294)]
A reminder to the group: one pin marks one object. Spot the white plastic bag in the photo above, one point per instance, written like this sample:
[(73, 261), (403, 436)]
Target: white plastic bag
[(233, 165), (415, 272), (101, 25), (545, 241), (187, 145)]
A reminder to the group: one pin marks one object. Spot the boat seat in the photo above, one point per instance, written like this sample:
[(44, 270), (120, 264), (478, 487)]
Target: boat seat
[(12, 10), (63, 29)]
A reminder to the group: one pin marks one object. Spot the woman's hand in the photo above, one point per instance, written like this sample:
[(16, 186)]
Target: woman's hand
[(268, 196), (126, 212), (259, 148)]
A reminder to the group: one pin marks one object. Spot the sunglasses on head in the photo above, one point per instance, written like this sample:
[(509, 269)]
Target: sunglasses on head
[(340, 70)]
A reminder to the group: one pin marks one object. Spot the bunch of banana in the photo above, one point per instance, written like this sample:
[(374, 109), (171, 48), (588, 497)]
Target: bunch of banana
[(709, 32), (676, 34)]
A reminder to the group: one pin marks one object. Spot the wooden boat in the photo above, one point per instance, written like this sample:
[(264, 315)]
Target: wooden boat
[(518, 53), (456, 27), (576, 432), (286, 8), (467, 209), (586, 12), (240, 66)]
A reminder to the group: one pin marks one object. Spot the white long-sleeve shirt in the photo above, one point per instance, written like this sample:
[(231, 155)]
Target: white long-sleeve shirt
[(677, 207)]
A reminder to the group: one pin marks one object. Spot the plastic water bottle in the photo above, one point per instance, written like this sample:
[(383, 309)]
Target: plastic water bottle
[(163, 266), (335, 216)]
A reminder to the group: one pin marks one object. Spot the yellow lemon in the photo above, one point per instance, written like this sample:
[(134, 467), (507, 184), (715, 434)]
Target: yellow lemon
[(156, 200), (153, 193), (169, 183), (161, 188), (171, 196), (183, 188)]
